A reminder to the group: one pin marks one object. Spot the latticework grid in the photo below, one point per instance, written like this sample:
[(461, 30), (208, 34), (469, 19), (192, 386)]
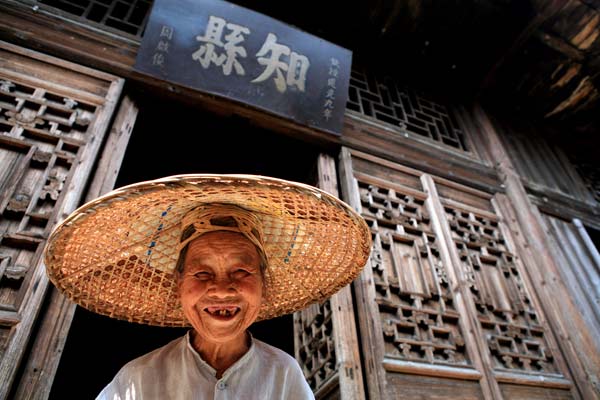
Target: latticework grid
[(124, 15), (387, 101)]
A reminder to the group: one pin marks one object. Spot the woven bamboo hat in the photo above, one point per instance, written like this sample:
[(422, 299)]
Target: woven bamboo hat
[(116, 255)]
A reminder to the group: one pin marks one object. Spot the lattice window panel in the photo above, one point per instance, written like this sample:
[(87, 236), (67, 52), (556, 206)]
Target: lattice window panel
[(40, 136), (387, 101), (124, 15), (315, 347), (418, 316), (508, 320)]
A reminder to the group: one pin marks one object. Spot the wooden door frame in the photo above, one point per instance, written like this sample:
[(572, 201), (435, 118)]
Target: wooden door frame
[(49, 338)]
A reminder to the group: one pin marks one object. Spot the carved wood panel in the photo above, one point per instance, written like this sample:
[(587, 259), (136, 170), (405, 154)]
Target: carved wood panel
[(509, 321), (419, 320), (50, 133), (411, 320), (408, 110), (444, 295), (315, 344)]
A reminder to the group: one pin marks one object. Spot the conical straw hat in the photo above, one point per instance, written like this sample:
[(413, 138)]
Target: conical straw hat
[(116, 255)]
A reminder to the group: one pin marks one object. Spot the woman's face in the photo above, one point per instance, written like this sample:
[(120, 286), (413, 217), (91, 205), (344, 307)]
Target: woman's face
[(221, 285)]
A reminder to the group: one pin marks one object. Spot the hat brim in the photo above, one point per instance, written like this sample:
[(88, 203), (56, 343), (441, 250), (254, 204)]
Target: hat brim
[(116, 255)]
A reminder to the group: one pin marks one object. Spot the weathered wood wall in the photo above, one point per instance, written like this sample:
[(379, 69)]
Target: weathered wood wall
[(579, 270)]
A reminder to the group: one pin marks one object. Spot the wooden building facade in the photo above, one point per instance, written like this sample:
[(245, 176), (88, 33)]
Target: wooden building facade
[(484, 276)]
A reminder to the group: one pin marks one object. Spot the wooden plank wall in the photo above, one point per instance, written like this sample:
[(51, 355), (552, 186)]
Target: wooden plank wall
[(579, 262)]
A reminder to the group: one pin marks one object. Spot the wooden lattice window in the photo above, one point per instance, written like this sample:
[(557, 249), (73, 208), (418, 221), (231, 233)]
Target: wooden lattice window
[(128, 16), (419, 320), (513, 332), (315, 346), (51, 129), (408, 110), (445, 300)]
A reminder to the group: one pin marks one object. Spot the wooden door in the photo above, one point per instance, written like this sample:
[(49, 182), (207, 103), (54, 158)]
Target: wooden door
[(325, 335), (445, 305), (54, 117)]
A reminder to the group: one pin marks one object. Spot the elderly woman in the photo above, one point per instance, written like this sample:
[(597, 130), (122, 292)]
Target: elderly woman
[(217, 252)]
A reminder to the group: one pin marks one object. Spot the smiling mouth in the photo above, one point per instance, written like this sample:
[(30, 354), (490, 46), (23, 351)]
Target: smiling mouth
[(222, 311)]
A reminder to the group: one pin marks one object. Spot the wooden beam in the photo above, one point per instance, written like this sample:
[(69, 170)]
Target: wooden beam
[(23, 25)]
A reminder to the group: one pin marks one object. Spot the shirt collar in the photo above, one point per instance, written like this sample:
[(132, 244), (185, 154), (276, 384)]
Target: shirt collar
[(204, 366)]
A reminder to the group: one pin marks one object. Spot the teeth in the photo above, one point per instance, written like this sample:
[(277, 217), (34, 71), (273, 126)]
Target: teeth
[(223, 312)]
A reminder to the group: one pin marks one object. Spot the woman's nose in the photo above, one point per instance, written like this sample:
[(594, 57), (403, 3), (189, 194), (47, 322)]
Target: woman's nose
[(223, 285)]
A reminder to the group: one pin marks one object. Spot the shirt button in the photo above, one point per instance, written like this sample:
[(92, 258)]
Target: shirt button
[(221, 385)]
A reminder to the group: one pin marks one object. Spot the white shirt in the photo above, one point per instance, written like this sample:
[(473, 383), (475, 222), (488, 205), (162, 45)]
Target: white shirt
[(176, 371)]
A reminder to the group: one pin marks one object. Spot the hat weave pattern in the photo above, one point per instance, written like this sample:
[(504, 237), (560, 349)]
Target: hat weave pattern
[(116, 255)]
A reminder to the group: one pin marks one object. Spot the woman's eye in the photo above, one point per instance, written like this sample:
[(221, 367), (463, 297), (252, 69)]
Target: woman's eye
[(242, 272), (202, 275)]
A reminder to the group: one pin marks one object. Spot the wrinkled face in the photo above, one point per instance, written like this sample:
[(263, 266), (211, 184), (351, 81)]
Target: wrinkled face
[(221, 285)]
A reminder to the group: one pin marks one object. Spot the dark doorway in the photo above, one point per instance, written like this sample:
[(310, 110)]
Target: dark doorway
[(170, 138)]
